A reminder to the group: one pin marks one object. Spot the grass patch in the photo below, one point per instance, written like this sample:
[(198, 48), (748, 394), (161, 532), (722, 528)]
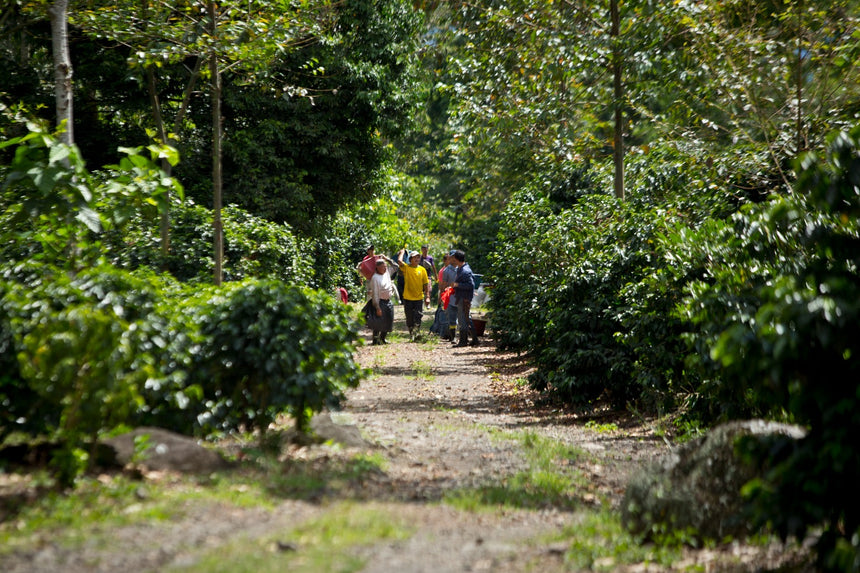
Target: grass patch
[(422, 370), (428, 342), (521, 382), (327, 543), (601, 428), (313, 478), (379, 360), (97, 505), (551, 480), (597, 541)]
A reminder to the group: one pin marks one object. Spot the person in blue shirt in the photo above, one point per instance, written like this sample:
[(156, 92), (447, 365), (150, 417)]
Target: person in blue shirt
[(464, 288)]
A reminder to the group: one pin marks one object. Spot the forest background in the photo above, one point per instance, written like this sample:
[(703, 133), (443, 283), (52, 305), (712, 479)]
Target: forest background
[(664, 196)]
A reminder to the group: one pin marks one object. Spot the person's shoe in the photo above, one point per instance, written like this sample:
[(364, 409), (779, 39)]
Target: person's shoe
[(475, 342)]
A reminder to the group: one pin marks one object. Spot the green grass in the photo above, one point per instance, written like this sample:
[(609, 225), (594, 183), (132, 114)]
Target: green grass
[(380, 358), (310, 479), (326, 543), (551, 479), (98, 505), (597, 541), (601, 428), (422, 370), (68, 517)]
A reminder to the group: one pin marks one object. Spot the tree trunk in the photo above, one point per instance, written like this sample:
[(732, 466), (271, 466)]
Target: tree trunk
[(169, 139), (801, 145), (165, 164), (618, 98), (162, 136), (216, 151), (58, 12)]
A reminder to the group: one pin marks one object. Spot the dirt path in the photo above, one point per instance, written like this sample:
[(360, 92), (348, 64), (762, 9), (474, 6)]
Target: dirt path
[(443, 420), (438, 411)]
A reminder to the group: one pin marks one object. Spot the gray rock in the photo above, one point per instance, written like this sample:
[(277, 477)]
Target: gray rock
[(166, 451), (345, 434), (696, 489)]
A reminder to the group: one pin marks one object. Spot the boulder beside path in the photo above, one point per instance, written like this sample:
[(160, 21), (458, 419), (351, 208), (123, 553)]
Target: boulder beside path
[(164, 450), (697, 488)]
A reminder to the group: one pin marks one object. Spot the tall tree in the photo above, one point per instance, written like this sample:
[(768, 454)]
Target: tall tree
[(313, 93), (543, 84), (227, 35), (217, 134), (617, 98), (63, 93)]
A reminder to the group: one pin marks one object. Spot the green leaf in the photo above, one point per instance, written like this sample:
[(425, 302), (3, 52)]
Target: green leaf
[(90, 218)]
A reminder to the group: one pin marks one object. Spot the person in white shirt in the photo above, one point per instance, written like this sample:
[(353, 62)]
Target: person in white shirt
[(379, 290)]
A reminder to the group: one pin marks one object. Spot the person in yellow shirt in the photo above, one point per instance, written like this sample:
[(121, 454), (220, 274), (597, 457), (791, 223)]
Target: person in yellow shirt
[(416, 290)]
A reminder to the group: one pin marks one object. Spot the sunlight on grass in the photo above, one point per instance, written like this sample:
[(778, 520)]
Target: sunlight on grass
[(551, 479), (106, 503), (597, 541), (327, 543), (380, 358), (422, 370), (97, 505), (601, 428)]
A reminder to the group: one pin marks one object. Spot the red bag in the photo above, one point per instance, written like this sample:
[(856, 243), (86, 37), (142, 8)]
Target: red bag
[(367, 267), (446, 296)]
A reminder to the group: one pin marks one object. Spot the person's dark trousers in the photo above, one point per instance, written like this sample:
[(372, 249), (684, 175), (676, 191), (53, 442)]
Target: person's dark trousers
[(414, 311), (387, 317), (451, 313), (464, 307), (400, 284)]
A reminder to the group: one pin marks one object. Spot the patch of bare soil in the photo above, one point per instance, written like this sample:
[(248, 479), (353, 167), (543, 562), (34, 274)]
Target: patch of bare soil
[(434, 413)]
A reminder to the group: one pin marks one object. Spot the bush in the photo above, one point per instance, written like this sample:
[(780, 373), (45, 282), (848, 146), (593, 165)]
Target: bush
[(81, 357), (253, 247), (577, 285), (269, 348), (777, 315), (108, 347), (86, 347)]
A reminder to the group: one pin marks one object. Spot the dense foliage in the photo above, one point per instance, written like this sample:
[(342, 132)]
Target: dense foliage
[(681, 304), (253, 247), (269, 349), (87, 347), (724, 285), (573, 284), (778, 313), (107, 348)]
